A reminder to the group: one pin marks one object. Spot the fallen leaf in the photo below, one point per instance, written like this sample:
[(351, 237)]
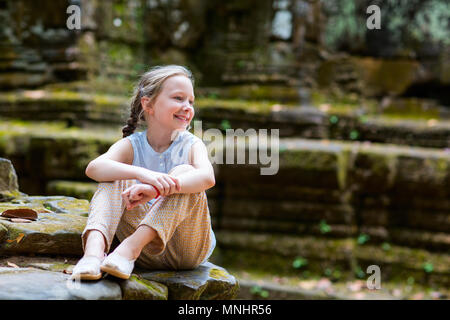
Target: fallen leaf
[(18, 239), (13, 265), (23, 213)]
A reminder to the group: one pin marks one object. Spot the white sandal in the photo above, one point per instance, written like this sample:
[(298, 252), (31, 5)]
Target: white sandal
[(88, 268), (118, 266)]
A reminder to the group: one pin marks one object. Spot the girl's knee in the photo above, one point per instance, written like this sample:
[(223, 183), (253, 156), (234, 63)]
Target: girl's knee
[(192, 197)]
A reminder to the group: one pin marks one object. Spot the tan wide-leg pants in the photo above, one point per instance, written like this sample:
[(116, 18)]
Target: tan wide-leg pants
[(182, 223)]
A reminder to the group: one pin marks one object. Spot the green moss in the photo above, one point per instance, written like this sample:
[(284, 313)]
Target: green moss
[(310, 159), (411, 108), (81, 190), (342, 168), (263, 107), (261, 92), (218, 274), (59, 266), (158, 288), (165, 275), (24, 130), (386, 75), (3, 233)]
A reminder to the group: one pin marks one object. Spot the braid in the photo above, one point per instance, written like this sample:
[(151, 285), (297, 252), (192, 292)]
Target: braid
[(135, 115), (131, 126)]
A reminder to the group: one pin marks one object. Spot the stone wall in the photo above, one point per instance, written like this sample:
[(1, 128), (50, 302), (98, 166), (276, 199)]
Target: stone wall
[(280, 47), (36, 47), (342, 206)]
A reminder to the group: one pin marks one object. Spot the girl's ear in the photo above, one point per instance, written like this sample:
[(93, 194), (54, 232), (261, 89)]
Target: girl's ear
[(147, 106)]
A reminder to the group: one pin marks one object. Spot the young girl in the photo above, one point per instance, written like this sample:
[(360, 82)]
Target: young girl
[(151, 191)]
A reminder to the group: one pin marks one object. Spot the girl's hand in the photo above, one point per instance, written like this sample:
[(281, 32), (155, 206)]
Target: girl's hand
[(138, 194), (165, 183)]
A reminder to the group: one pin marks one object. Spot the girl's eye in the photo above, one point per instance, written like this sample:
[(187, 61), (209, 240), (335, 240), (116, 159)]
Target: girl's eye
[(179, 98)]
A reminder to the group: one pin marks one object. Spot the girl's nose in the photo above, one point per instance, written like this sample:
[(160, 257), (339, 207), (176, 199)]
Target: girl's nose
[(187, 106)]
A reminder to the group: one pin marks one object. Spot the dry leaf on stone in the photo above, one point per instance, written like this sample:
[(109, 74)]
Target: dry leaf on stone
[(18, 239), (13, 265), (23, 213)]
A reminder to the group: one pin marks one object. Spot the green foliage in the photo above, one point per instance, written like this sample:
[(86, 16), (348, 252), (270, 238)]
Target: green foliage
[(337, 274), (324, 227), (432, 22), (241, 64), (257, 290), (225, 124), (410, 281), (334, 119), (299, 262), (363, 238), (359, 272), (406, 21), (363, 119), (386, 246), (428, 267), (343, 22), (354, 135)]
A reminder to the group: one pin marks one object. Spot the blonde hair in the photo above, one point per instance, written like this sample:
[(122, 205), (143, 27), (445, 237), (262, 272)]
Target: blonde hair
[(150, 85)]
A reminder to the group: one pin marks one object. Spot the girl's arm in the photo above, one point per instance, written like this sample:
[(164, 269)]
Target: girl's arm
[(202, 177), (116, 164)]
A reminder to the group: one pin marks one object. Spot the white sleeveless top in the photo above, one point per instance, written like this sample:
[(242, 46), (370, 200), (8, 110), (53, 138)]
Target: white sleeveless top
[(176, 154)]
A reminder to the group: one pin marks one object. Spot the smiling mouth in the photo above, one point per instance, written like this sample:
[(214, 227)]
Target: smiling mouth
[(183, 118)]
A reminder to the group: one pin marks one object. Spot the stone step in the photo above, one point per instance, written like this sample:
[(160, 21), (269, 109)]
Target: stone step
[(351, 188), (47, 278), (32, 267), (59, 153), (333, 240), (306, 218), (320, 256), (260, 286), (350, 123)]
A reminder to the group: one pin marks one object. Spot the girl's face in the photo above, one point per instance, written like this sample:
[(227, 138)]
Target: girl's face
[(174, 106)]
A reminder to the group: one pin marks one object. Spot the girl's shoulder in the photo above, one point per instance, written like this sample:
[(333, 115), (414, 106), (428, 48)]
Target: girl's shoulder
[(186, 138), (136, 135)]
